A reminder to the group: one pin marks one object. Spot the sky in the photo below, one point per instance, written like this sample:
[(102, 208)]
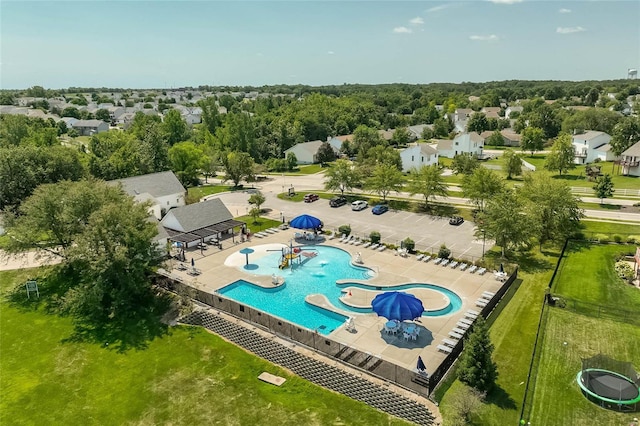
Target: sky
[(164, 44)]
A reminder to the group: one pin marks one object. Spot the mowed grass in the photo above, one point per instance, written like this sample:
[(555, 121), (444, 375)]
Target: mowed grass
[(188, 377), (260, 224), (197, 192), (557, 398), (587, 274)]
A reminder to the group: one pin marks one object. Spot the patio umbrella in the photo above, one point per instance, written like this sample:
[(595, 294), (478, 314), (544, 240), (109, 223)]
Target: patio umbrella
[(193, 263), (421, 366), (246, 251), (501, 268), (305, 222), (397, 305)]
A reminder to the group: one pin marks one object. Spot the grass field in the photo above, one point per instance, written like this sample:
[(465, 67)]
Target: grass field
[(186, 377), (592, 226), (197, 192)]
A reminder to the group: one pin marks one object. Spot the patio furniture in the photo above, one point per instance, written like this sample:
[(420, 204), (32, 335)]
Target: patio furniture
[(406, 336), (367, 244), (459, 330), (374, 246), (449, 342), (473, 269), (391, 327), (427, 258), (382, 248), (470, 315), (445, 349), (481, 303), (438, 260), (488, 294), (466, 321), (481, 271), (181, 267), (453, 265), (471, 311), (344, 237), (445, 263), (350, 324), (464, 266), (455, 335), (462, 325), (419, 257)]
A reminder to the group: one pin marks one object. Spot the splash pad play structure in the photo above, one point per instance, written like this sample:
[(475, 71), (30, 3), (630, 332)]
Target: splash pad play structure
[(611, 384), (292, 254)]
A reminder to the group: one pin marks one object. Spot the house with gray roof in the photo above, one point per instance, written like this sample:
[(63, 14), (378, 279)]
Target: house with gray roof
[(307, 152), (465, 143), (90, 127), (590, 145), (163, 190), (418, 155), (630, 160)]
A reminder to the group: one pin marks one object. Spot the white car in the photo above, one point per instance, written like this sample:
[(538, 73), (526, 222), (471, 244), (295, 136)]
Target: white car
[(359, 205)]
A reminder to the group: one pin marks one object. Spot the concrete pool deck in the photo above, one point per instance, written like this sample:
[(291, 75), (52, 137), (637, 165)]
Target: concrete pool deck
[(222, 267)]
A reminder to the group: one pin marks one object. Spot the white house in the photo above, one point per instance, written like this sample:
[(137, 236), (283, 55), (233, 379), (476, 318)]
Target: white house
[(163, 190), (591, 145), (307, 152), (630, 160), (418, 155), (465, 143), (90, 127)]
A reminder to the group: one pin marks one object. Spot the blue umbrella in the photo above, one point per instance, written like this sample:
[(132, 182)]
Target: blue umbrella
[(421, 366), (397, 305), (305, 222), (193, 263)]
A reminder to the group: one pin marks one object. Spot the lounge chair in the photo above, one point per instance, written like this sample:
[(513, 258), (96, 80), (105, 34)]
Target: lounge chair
[(259, 235), (445, 349), (466, 321), (331, 236), (454, 264), (481, 303), (459, 330), (455, 335), (344, 237), (427, 258), (470, 315), (420, 257), (473, 269), (464, 266), (438, 260), (382, 247), (445, 263), (481, 271), (462, 325), (367, 244), (449, 342), (471, 311), (374, 246), (353, 241)]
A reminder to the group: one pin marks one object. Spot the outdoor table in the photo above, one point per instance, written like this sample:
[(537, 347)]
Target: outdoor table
[(410, 329), (391, 325)]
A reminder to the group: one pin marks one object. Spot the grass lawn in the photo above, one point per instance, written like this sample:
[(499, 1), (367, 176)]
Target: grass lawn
[(260, 225), (187, 377), (302, 170), (590, 226), (557, 397), (197, 192)]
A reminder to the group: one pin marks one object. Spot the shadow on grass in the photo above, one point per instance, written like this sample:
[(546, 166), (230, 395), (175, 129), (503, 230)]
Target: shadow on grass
[(52, 285), (531, 263), (500, 398), (436, 209)]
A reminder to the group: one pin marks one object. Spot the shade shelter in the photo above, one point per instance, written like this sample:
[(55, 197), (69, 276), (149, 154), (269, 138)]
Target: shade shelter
[(397, 305), (305, 221)]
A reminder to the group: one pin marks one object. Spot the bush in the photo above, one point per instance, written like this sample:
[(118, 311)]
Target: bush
[(374, 236), (624, 271), (409, 244), (617, 238), (444, 252), (344, 229), (633, 239), (602, 238)]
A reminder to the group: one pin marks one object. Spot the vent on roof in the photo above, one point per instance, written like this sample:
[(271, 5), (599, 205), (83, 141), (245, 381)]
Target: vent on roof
[(136, 191)]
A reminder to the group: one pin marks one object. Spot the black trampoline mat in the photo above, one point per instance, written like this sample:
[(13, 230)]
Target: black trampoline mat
[(611, 386)]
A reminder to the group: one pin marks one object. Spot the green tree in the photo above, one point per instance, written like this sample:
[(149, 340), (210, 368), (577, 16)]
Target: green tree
[(292, 161), (175, 127), (599, 119), (512, 164), (153, 149), (238, 134), (325, 154), (365, 138), (237, 166), (428, 182), (384, 179), (401, 137), (476, 367), (103, 114), (478, 123), (508, 221), (553, 206), (465, 164), (210, 115), (442, 127), (381, 154), (562, 155), (625, 134), (482, 185), (255, 214), (342, 176), (532, 139), (257, 199), (496, 139), (603, 187), (13, 129), (186, 158)]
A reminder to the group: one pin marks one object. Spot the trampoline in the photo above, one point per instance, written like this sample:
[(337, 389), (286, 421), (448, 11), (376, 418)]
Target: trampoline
[(617, 390)]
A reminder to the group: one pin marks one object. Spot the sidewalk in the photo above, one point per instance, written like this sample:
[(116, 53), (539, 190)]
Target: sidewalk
[(30, 259)]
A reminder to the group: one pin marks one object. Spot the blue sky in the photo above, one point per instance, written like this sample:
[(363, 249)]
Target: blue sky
[(182, 43)]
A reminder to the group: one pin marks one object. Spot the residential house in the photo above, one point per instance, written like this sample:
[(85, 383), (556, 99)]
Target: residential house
[(462, 114), (115, 112), (69, 121), (511, 109), (386, 134), (90, 127), (418, 155), (492, 112), (337, 141), (307, 152), (192, 115), (465, 143), (416, 131), (163, 190), (630, 160), (200, 222), (591, 145)]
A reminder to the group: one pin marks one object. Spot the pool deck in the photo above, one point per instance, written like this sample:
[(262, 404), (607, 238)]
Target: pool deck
[(222, 267)]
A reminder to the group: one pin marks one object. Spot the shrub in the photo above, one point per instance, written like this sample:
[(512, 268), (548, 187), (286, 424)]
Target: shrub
[(624, 271), (633, 239), (344, 229), (602, 238), (409, 244), (444, 252), (374, 236), (617, 238)]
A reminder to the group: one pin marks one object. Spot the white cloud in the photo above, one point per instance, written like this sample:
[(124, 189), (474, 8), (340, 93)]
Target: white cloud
[(491, 37), (505, 1), (437, 8), (570, 30), (563, 10), (417, 21), (331, 52), (402, 30)]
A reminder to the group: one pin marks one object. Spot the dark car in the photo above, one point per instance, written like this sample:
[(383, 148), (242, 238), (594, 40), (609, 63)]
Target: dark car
[(379, 209), (337, 201), (310, 198), (456, 220)]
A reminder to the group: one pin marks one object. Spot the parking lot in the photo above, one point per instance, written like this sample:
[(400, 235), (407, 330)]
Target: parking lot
[(428, 232)]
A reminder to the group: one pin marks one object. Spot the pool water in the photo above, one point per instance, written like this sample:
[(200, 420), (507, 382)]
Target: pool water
[(316, 275)]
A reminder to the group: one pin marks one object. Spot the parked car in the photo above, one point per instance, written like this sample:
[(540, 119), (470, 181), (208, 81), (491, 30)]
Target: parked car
[(379, 209), (359, 205), (337, 201), (310, 198), (456, 220)]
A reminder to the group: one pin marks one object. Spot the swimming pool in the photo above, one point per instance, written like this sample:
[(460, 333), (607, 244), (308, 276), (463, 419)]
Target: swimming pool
[(316, 275)]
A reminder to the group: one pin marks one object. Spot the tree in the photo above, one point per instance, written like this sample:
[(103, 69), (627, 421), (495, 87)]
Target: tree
[(496, 139), (532, 139), (71, 112), (562, 155), (325, 154), (186, 158), (255, 214), (237, 166), (342, 176), (384, 179), (292, 161), (512, 163), (625, 134), (210, 115), (465, 164), (553, 207), (428, 182), (476, 368), (482, 185), (603, 187), (103, 114), (463, 404), (175, 127), (478, 123), (257, 199), (365, 138), (401, 137), (381, 154), (442, 127), (506, 220)]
